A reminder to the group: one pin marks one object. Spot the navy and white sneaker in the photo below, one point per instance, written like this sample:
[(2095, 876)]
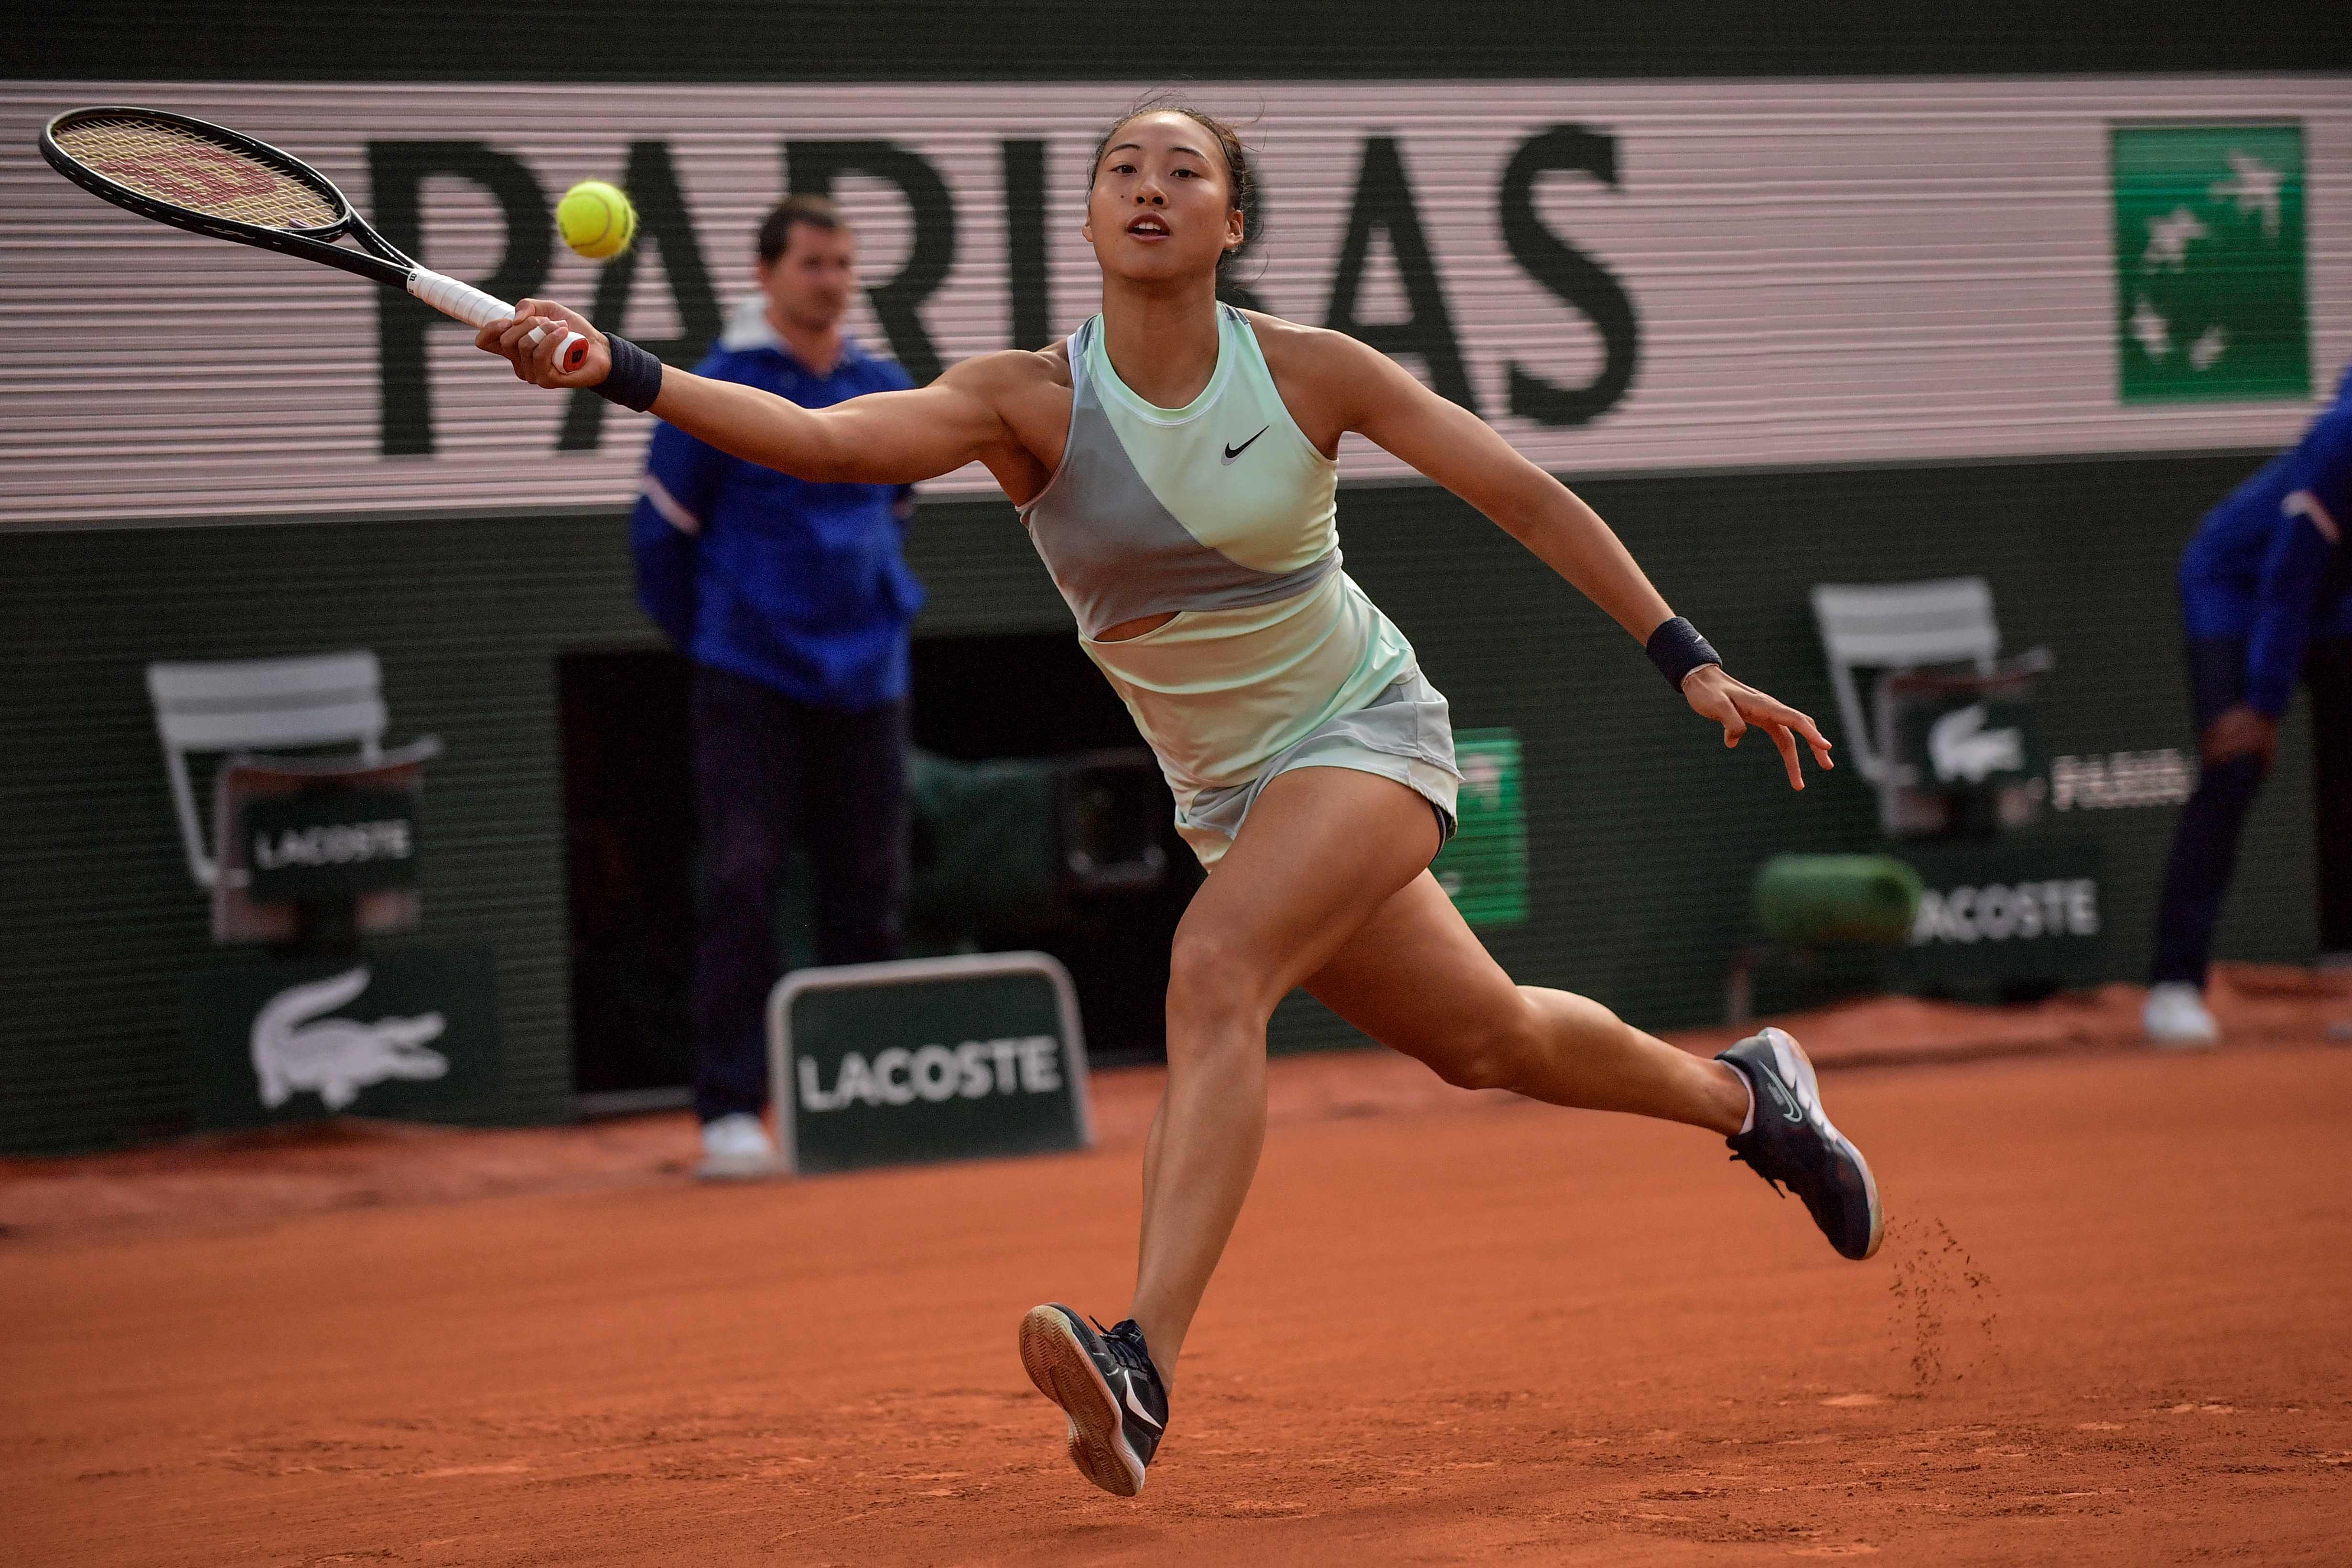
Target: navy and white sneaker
[(1792, 1142), (1105, 1382)]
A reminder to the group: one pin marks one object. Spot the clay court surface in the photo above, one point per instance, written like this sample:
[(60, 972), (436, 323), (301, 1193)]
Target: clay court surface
[(2110, 1324)]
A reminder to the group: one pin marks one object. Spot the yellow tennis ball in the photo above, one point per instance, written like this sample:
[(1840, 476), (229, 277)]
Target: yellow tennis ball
[(596, 219)]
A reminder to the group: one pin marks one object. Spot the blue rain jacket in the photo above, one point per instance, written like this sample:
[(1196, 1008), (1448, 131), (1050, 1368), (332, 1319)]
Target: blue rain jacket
[(2268, 564), (800, 586)]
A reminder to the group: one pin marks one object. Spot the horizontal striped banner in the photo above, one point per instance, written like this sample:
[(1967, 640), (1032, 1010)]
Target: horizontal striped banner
[(1622, 277)]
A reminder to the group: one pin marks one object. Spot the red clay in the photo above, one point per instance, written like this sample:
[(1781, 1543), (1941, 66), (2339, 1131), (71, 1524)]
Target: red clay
[(2109, 1326)]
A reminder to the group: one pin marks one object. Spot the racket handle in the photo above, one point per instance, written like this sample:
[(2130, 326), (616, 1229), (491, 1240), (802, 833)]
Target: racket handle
[(476, 309), (570, 354)]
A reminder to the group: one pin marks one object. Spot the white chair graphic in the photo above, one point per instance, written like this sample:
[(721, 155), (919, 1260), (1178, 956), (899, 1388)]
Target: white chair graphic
[(1894, 628), (246, 709)]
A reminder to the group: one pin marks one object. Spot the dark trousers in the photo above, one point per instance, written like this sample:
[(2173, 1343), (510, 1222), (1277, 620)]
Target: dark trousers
[(2205, 844), (771, 774)]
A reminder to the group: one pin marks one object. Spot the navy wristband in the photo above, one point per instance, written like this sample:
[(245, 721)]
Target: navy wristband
[(1676, 648), (635, 378)]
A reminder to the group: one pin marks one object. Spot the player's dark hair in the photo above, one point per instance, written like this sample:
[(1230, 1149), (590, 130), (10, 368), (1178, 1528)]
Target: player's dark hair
[(817, 212), (1241, 180)]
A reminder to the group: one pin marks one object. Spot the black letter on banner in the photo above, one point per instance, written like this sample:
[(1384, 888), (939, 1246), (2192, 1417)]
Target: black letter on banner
[(396, 175), (1024, 241), (1567, 272), (662, 218), (813, 166), (1384, 203)]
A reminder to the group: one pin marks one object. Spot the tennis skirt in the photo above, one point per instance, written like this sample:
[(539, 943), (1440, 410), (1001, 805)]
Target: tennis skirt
[(1405, 732)]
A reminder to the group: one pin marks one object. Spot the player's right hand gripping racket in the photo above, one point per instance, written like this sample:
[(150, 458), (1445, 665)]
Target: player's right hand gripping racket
[(210, 180)]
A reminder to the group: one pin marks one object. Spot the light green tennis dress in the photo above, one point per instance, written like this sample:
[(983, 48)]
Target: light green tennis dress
[(1223, 513)]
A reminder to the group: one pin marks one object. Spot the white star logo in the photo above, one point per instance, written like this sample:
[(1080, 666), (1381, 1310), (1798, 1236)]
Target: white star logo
[(2169, 238), (2154, 332), (1484, 777), (2255, 186), (2208, 347)]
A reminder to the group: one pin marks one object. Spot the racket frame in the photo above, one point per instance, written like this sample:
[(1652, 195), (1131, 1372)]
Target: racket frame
[(379, 261)]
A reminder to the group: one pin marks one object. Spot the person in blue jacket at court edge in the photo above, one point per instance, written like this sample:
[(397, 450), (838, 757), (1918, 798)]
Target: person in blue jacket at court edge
[(794, 603), (2266, 591)]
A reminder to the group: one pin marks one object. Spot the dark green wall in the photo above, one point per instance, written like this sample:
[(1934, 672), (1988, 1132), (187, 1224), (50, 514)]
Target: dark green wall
[(1643, 831), (903, 40)]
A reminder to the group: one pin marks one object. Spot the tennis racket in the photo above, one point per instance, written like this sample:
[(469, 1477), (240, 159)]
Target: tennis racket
[(209, 180)]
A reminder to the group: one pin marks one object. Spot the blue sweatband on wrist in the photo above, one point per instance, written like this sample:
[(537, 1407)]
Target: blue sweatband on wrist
[(1676, 648), (635, 378)]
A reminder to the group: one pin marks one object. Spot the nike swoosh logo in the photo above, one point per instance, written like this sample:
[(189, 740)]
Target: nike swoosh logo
[(1127, 1392), (1232, 452), (1790, 1110)]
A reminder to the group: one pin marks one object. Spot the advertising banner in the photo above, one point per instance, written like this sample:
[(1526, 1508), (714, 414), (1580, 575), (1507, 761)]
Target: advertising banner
[(1623, 277), (326, 844), (409, 1033), (2021, 910), (2210, 262), (1966, 756), (926, 1059), (1483, 867)]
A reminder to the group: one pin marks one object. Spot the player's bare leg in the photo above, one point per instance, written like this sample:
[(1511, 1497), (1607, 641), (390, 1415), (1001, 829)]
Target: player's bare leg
[(1415, 978), (1327, 887), (1322, 851)]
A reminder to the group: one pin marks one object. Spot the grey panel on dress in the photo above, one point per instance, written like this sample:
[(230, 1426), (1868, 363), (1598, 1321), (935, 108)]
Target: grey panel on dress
[(1116, 553)]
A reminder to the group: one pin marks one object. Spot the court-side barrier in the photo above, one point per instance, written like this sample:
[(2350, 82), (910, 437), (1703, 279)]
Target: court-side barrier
[(927, 1059)]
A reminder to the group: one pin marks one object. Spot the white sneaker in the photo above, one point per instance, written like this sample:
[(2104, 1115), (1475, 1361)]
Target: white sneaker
[(2176, 1018), (736, 1148)]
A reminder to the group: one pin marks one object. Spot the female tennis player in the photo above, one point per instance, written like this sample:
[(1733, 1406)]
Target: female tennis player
[(1174, 461)]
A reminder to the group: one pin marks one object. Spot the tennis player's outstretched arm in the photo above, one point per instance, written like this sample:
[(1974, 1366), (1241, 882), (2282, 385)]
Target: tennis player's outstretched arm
[(881, 439), (1365, 391)]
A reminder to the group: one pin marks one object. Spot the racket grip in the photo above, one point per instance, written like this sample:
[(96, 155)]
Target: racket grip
[(476, 309), (570, 354)]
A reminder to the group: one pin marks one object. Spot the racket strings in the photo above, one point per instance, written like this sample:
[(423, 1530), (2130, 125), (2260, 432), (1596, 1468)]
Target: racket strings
[(169, 162)]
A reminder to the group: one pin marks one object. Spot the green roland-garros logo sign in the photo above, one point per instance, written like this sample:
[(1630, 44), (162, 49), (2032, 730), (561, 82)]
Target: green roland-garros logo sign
[(1484, 868), (2210, 262)]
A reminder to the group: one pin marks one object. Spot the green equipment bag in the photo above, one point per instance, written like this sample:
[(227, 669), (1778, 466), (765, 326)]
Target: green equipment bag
[(1817, 901)]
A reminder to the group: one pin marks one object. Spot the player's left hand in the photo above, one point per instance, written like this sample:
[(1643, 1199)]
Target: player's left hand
[(1737, 706), (535, 363)]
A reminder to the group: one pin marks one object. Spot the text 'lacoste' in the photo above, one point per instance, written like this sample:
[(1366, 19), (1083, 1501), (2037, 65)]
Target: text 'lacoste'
[(975, 1069)]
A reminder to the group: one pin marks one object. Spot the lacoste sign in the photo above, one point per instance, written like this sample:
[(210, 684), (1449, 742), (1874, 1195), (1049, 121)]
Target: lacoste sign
[(297, 1047), (899, 1076), (2023, 907), (323, 844), (408, 1032), (934, 1058)]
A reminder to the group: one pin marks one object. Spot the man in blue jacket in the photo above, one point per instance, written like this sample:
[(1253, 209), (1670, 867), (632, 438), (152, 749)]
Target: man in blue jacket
[(793, 602), (2266, 590)]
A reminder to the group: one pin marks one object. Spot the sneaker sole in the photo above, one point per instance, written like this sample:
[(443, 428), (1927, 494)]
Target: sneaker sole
[(1063, 1372), (1785, 1045)]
